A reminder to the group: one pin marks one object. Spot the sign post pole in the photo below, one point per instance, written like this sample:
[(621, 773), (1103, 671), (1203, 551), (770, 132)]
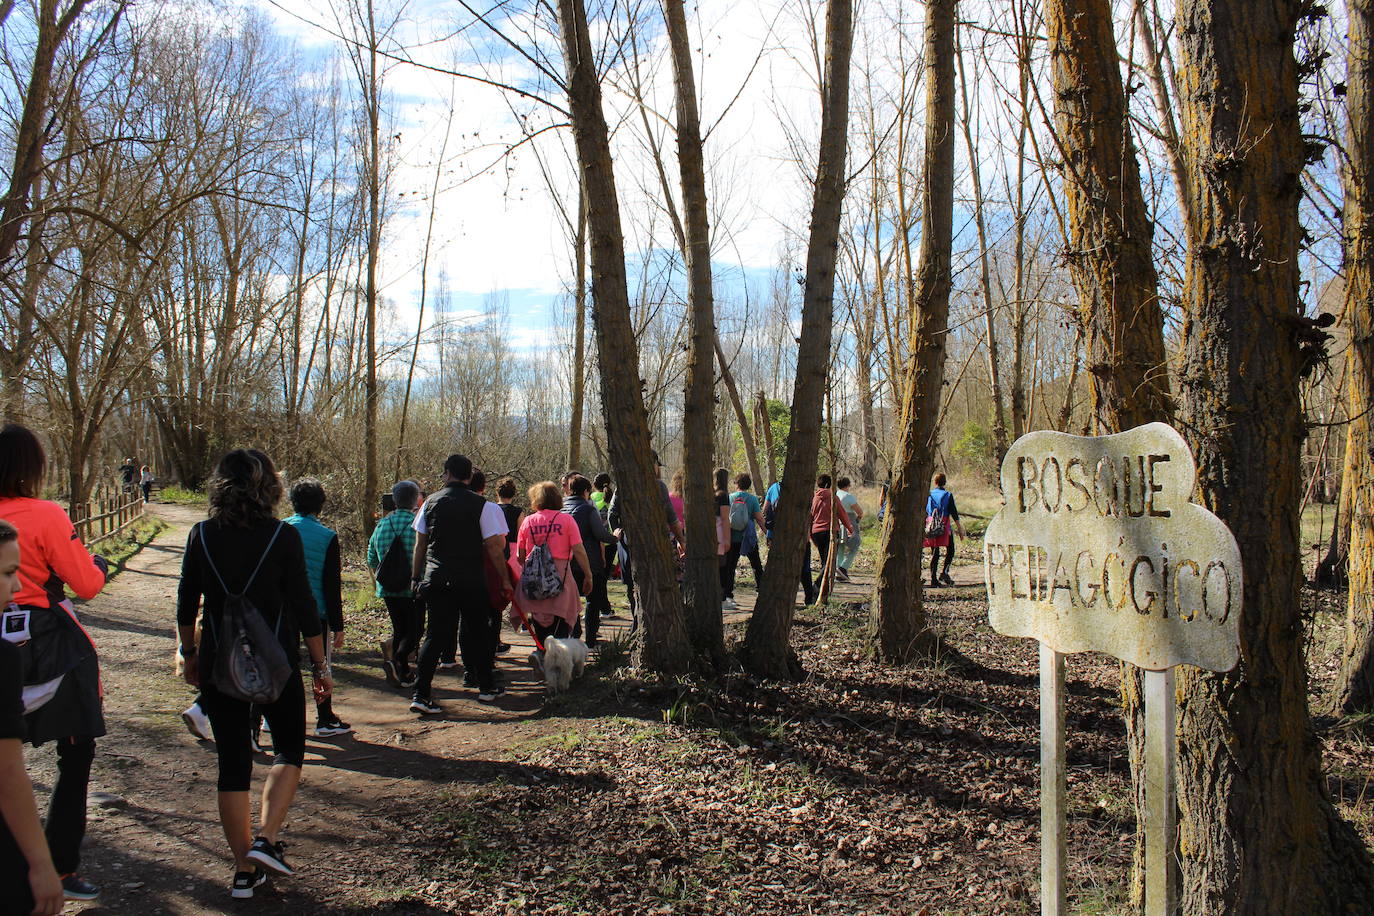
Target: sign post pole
[(1053, 791), (1161, 873)]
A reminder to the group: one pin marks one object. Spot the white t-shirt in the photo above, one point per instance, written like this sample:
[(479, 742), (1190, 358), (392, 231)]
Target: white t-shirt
[(493, 521)]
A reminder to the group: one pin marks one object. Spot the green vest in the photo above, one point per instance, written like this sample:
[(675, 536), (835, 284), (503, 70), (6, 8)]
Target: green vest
[(315, 538)]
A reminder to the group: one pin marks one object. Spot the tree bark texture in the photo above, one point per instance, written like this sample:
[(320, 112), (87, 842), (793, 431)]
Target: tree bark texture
[(374, 244), (664, 647), (1112, 265), (701, 578), (767, 650), (1259, 833), (898, 618), (579, 368), (1355, 687)]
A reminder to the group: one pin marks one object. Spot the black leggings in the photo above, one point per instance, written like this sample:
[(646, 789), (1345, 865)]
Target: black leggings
[(67, 808), (407, 624), (727, 579), (935, 560), (232, 722)]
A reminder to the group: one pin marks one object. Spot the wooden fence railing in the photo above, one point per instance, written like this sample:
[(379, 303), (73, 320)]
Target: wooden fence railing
[(105, 515)]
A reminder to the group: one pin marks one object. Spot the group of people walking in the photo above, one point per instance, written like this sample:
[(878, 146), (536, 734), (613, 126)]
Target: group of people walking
[(446, 566)]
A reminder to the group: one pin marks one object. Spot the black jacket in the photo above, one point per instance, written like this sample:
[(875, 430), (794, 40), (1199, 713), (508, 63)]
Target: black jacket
[(280, 591), (592, 529)]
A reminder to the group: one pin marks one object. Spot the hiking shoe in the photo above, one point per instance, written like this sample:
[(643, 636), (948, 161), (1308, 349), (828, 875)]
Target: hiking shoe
[(490, 694), (270, 855), (74, 888), (451, 663), (408, 679), (502, 647), (336, 727), (944, 577), (425, 706), (245, 882), (934, 583), (470, 681), (842, 574), (198, 723), (536, 660), (729, 605)]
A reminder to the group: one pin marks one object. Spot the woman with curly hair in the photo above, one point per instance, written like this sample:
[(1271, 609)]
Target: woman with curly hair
[(61, 669), (243, 548)]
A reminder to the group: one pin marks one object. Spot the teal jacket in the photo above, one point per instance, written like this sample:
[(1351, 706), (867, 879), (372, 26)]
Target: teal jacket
[(396, 525), (324, 567)]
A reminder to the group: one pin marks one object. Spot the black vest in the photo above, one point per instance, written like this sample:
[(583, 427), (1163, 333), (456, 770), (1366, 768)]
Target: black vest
[(453, 520)]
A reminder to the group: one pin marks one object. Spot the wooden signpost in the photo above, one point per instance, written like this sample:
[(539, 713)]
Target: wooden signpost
[(1098, 548)]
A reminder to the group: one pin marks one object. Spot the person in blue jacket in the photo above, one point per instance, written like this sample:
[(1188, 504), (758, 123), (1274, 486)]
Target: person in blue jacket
[(325, 569), (941, 516)]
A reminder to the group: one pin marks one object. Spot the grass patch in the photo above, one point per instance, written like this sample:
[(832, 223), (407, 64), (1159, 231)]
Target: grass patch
[(120, 548), (181, 496)]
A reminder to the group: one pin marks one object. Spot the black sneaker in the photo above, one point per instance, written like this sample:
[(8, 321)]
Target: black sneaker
[(389, 669), (490, 694), (270, 855), (336, 727), (245, 882), (425, 706), (74, 888), (448, 664), (944, 578), (408, 679), (502, 647), (469, 681)]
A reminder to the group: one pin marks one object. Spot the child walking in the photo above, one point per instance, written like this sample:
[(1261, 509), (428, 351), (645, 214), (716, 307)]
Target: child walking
[(325, 569)]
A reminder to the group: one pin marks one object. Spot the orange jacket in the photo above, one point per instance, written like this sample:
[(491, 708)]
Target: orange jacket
[(50, 553)]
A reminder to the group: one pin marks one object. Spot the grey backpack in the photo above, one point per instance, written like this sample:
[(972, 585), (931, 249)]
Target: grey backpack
[(250, 663), (540, 579)]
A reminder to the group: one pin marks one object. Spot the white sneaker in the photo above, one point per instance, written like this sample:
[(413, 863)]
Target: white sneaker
[(198, 723), (729, 605)]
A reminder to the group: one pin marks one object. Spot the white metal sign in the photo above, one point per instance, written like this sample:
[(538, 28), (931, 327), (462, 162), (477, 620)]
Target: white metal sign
[(1099, 548)]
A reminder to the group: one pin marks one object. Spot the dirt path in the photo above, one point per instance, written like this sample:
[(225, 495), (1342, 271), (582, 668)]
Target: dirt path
[(155, 846), (158, 847)]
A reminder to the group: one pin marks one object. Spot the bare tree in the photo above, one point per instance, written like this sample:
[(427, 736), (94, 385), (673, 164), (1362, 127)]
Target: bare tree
[(767, 650), (898, 619), (1261, 833)]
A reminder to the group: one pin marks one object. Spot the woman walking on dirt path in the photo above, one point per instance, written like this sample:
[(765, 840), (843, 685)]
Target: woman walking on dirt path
[(547, 524), (61, 669), (849, 546), (389, 554), (825, 510), (26, 871), (244, 547), (941, 515)]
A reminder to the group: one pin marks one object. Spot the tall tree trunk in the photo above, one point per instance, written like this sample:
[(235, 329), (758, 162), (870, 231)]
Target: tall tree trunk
[(701, 577), (1355, 688), (898, 618), (999, 414), (765, 423), (579, 368), (1259, 832), (373, 102), (1112, 265), (767, 650), (665, 648)]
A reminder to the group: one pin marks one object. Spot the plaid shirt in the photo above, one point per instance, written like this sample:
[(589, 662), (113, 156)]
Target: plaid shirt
[(396, 525)]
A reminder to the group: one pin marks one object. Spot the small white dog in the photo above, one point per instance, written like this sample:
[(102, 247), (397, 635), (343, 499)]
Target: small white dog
[(564, 660)]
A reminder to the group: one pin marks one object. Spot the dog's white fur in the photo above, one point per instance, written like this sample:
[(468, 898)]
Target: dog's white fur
[(564, 660)]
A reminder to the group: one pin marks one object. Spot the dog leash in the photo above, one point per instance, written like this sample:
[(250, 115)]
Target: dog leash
[(528, 626)]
